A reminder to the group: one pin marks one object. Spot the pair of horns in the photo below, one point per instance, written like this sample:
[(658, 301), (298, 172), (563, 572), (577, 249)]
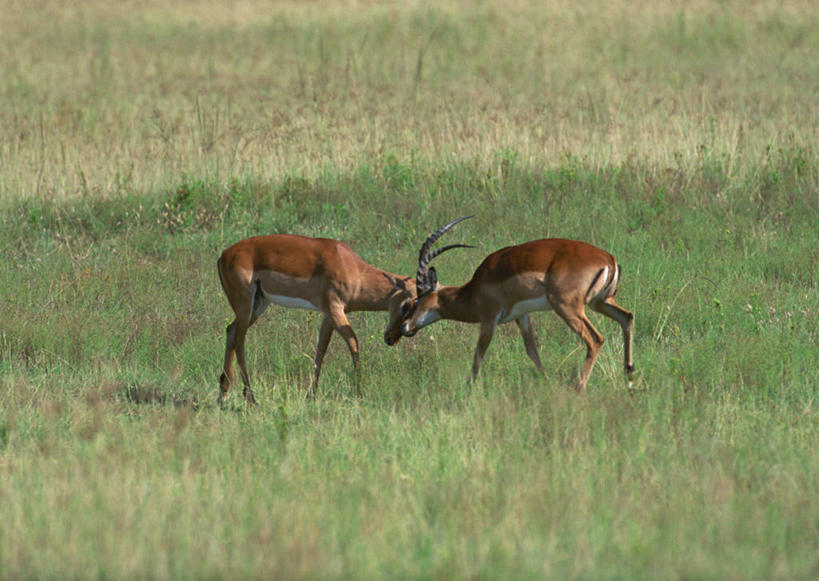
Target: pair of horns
[(426, 278)]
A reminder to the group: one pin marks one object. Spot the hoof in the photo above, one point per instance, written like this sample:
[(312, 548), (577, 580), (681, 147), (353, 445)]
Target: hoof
[(250, 399)]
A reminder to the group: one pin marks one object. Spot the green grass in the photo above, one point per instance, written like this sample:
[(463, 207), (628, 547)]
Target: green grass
[(135, 144)]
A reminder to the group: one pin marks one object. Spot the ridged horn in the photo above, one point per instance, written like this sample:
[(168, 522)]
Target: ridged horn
[(422, 279)]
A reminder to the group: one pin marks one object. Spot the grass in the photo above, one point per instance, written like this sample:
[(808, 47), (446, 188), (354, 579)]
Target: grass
[(138, 140)]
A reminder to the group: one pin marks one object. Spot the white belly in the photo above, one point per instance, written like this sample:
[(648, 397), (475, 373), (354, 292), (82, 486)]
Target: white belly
[(523, 307), (290, 302)]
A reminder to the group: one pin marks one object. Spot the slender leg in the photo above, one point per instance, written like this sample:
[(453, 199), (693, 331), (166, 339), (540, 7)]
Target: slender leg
[(325, 334), (341, 325), (241, 333), (227, 370), (580, 324), (626, 320), (247, 308), (487, 330), (528, 333)]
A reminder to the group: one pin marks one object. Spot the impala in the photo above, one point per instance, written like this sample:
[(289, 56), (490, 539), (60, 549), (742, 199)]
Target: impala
[(307, 273), (550, 274)]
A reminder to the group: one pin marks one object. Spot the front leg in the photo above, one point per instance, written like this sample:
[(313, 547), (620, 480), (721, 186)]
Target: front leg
[(528, 333), (342, 326), (325, 334), (487, 330)]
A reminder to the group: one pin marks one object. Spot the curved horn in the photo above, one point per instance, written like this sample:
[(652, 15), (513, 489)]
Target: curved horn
[(425, 256)]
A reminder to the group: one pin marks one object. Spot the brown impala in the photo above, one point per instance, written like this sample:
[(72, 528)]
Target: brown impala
[(541, 275), (307, 273)]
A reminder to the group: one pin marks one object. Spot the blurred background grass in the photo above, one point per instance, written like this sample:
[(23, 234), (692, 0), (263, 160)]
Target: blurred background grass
[(101, 97)]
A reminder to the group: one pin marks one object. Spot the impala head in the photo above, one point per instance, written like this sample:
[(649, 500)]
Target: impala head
[(422, 311), (400, 307)]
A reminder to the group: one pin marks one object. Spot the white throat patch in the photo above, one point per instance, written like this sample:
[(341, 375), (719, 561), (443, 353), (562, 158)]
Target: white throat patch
[(427, 318)]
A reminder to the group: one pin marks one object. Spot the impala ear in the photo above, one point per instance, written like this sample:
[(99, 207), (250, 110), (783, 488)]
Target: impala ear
[(398, 285)]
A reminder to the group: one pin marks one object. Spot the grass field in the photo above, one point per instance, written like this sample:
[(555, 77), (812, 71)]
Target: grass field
[(139, 138)]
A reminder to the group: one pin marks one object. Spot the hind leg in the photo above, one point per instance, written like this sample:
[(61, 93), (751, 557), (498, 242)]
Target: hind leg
[(626, 320), (246, 310), (580, 324), (227, 369), (235, 344), (247, 392)]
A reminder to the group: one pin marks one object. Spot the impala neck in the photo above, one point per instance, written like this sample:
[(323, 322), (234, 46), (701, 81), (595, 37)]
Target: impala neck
[(457, 303), (374, 290)]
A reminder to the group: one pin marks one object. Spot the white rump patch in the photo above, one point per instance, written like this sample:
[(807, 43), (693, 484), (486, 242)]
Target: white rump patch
[(600, 286), (519, 309), (616, 277)]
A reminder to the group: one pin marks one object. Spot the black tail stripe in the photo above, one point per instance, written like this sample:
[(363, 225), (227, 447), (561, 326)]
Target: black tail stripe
[(594, 284)]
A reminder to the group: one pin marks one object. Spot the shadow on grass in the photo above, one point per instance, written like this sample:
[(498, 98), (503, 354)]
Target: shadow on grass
[(153, 395)]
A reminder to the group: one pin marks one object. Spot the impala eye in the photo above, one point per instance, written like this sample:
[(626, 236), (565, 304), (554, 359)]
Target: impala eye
[(405, 309)]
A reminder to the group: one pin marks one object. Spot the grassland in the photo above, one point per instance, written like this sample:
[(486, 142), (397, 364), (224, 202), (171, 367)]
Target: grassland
[(137, 139)]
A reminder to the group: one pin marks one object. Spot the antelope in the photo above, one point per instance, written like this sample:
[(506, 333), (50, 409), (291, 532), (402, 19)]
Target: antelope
[(541, 275), (318, 274)]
